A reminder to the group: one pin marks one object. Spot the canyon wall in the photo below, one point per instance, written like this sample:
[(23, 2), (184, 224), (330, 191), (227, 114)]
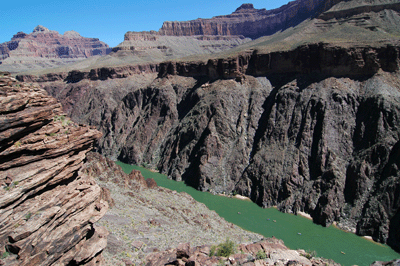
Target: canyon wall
[(248, 21), (48, 207), (315, 129)]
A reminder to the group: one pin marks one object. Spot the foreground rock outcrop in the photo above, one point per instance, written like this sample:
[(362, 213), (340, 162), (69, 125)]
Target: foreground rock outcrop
[(269, 251), (48, 208)]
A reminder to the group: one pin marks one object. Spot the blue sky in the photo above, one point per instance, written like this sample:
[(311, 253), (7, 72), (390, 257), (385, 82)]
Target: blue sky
[(110, 20)]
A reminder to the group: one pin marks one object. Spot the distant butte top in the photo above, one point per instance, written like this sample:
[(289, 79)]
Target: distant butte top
[(244, 7)]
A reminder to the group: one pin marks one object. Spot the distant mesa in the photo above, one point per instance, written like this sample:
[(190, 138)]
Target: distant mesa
[(45, 43)]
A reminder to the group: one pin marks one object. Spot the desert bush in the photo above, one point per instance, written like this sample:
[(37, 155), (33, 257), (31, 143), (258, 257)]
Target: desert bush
[(261, 255), (225, 249), (212, 250)]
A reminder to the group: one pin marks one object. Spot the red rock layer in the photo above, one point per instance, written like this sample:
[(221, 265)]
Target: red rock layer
[(248, 21), (47, 206), (43, 42)]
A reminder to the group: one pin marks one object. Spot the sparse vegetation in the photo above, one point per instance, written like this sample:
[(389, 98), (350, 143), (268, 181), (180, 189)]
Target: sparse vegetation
[(17, 144), (225, 249), (261, 255), (59, 118), (52, 134), (212, 250), (28, 216), (5, 255), (63, 119), (310, 254)]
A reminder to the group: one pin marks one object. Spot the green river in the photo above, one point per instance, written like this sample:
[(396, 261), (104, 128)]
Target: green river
[(297, 232)]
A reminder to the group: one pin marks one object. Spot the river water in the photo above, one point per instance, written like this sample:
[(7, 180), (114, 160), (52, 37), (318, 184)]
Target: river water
[(297, 232)]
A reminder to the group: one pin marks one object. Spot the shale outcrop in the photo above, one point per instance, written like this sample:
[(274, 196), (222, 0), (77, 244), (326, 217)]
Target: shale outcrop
[(48, 208)]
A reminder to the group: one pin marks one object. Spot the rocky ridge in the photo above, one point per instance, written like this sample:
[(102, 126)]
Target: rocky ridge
[(255, 23), (155, 47), (48, 208), (248, 21), (44, 44)]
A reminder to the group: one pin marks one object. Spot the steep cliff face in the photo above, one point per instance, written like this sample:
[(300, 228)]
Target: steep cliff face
[(248, 21), (155, 47), (322, 59), (47, 206)]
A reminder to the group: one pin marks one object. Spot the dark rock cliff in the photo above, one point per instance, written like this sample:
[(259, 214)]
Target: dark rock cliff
[(47, 206)]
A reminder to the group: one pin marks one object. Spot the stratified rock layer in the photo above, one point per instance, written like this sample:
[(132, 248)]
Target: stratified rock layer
[(43, 42), (44, 48), (47, 207), (248, 21)]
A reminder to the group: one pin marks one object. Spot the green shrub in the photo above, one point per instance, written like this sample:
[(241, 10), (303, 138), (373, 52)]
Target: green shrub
[(212, 250), (64, 121), (28, 216), (310, 254), (261, 255), (59, 118), (225, 249)]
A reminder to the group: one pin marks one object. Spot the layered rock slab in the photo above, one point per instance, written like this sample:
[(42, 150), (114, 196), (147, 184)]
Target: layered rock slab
[(47, 207)]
